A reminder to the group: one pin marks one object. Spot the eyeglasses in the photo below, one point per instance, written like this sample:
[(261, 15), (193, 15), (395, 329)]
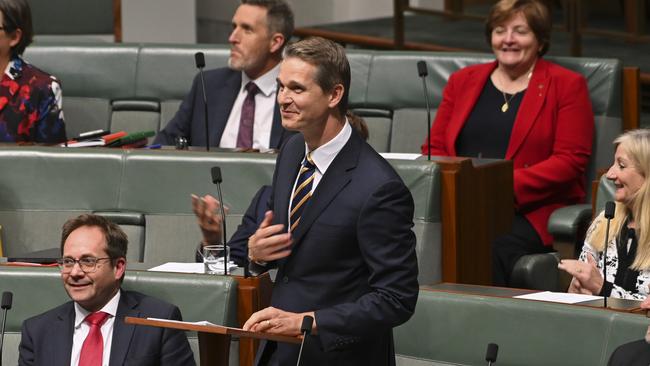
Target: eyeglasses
[(87, 264)]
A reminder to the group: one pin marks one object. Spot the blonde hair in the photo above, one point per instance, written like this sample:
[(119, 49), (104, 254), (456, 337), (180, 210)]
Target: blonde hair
[(636, 144)]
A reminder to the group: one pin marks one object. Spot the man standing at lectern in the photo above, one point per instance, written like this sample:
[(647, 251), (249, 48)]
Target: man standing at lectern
[(90, 329), (339, 228)]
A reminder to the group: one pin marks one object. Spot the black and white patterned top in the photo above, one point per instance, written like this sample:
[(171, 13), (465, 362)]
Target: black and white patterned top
[(626, 283)]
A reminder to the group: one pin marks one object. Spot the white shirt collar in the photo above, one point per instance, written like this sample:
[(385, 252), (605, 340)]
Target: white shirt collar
[(325, 154), (8, 72), (110, 308), (267, 83)]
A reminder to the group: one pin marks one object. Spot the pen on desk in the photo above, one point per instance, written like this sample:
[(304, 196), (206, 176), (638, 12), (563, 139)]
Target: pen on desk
[(154, 146)]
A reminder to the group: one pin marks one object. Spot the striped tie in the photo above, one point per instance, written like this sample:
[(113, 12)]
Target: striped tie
[(302, 192)]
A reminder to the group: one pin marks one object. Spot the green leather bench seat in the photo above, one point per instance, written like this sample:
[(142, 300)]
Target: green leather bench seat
[(455, 329), (99, 81), (148, 193), (200, 297)]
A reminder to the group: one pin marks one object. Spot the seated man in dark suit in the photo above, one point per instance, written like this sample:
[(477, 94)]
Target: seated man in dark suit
[(242, 109), (90, 330)]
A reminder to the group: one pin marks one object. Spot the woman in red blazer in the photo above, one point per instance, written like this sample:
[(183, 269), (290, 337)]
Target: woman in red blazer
[(525, 109)]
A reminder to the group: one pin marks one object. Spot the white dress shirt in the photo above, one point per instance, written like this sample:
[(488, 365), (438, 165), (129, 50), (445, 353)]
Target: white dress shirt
[(264, 108), (81, 329), (323, 157)]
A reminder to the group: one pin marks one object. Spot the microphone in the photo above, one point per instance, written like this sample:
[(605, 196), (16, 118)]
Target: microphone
[(65, 143), (305, 329), (610, 207), (199, 58), (423, 73), (216, 179), (491, 354), (7, 297)]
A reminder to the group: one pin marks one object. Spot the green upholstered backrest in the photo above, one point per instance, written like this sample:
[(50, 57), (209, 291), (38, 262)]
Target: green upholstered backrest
[(393, 85), (166, 72), (91, 75), (140, 86), (453, 328), (49, 185), (200, 297)]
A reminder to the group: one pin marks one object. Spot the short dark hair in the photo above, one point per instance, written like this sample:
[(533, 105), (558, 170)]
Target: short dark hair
[(535, 12), (116, 240), (16, 14), (279, 16), (331, 64)]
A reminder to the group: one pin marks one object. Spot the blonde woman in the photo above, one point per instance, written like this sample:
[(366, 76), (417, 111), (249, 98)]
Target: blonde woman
[(628, 247)]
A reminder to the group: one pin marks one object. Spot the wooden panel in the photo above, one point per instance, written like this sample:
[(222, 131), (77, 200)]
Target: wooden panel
[(254, 294), (477, 206), (398, 22), (117, 20), (631, 98)]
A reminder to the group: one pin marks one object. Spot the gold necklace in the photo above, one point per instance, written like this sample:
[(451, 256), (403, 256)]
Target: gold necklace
[(506, 100)]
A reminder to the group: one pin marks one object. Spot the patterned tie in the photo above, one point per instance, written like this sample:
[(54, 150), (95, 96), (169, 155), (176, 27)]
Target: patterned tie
[(92, 350), (302, 193), (245, 134)]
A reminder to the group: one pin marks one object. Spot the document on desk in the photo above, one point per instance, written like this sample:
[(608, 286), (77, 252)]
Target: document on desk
[(202, 322), (179, 267), (400, 156), (561, 297)]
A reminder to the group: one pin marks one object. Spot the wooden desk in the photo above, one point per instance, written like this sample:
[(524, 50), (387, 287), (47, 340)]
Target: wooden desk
[(613, 304), (253, 294), (214, 340)]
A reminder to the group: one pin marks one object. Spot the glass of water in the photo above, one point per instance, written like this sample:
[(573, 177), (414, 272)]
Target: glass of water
[(213, 258)]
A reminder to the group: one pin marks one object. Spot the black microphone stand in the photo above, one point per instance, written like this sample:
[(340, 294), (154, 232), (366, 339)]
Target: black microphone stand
[(7, 298), (423, 72), (305, 329), (610, 207), (200, 64), (216, 179), (491, 353)]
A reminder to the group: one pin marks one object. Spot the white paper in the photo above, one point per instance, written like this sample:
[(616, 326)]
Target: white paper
[(190, 267), (400, 156), (179, 267), (202, 322), (561, 297)]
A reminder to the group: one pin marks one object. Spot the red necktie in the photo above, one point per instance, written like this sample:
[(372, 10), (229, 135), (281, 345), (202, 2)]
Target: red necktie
[(247, 120), (92, 350)]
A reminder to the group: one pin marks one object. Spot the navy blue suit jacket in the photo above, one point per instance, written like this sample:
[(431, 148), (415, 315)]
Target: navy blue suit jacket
[(47, 338), (221, 88), (353, 257)]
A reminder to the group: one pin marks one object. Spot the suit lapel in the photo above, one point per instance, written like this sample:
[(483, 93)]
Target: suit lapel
[(122, 332), (222, 106), (286, 176), (63, 334), (471, 89), (530, 107), (337, 176), (277, 131)]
